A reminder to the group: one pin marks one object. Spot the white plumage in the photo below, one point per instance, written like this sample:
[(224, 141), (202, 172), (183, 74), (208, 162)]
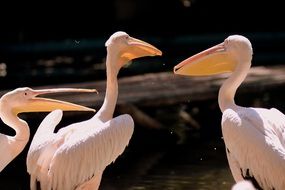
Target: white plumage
[(76, 156), (66, 159), (254, 137), (243, 185), (255, 140), (7, 151), (26, 100)]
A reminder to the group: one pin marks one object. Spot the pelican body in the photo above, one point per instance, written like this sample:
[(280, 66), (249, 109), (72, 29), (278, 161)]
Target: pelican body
[(25, 100), (76, 156), (254, 137)]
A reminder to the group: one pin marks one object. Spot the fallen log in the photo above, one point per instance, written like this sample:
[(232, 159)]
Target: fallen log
[(165, 88)]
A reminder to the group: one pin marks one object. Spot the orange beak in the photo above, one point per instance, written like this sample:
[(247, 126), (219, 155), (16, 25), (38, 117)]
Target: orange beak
[(214, 60), (45, 105), (138, 48)]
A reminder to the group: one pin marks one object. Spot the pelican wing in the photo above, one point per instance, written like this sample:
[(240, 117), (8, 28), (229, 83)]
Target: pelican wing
[(41, 150), (7, 151), (87, 150), (254, 140)]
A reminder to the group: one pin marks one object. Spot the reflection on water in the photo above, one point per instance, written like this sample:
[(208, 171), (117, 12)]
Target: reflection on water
[(181, 167)]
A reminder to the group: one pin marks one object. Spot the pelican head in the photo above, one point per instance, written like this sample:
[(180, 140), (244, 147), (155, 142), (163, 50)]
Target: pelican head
[(222, 58), (26, 100), (130, 48)]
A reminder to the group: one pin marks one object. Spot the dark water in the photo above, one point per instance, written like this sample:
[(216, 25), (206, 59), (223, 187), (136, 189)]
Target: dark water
[(157, 159), (195, 165), (152, 161)]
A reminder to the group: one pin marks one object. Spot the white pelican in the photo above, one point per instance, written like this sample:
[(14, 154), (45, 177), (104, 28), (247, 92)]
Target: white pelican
[(25, 100), (254, 137), (76, 156)]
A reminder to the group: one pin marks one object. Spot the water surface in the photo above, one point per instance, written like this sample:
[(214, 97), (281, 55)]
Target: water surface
[(197, 166)]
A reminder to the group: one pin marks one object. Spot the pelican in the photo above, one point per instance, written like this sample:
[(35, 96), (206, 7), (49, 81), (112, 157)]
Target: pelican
[(76, 156), (25, 100), (254, 137)]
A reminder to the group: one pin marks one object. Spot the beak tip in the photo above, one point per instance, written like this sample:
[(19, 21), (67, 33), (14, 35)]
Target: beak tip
[(175, 69), (86, 109), (90, 109), (92, 90)]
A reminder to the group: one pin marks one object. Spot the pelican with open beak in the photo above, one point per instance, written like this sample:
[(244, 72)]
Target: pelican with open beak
[(26, 100)]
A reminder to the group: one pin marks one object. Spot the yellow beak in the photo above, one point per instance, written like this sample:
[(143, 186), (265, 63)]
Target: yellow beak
[(215, 60), (138, 48), (46, 105)]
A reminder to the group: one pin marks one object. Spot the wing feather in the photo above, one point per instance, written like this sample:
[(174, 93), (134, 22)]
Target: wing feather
[(88, 150), (40, 149), (255, 139)]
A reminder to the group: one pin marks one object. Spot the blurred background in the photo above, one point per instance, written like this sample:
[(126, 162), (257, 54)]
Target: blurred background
[(47, 44)]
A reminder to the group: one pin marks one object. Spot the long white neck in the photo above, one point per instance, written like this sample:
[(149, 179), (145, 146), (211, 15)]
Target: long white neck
[(228, 90), (113, 64), (11, 146)]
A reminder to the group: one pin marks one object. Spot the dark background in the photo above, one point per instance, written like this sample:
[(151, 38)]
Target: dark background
[(46, 43), (33, 34), (44, 21)]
